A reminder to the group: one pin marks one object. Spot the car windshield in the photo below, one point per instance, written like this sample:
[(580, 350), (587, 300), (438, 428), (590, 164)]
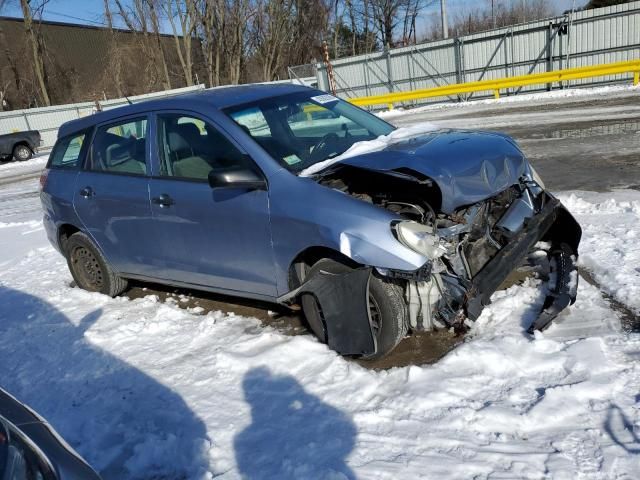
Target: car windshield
[(305, 128)]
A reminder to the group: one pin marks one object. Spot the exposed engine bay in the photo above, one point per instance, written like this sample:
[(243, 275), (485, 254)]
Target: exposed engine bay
[(472, 250)]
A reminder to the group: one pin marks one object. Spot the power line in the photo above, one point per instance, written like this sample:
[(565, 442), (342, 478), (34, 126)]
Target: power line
[(95, 22)]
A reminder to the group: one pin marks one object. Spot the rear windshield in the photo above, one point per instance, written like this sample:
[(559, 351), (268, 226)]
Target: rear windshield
[(68, 151)]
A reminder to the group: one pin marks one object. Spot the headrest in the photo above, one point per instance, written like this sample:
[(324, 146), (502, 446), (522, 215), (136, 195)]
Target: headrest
[(177, 142), (189, 131)]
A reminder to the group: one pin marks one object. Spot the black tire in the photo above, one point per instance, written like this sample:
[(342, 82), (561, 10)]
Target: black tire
[(386, 302), (90, 269), (22, 153)]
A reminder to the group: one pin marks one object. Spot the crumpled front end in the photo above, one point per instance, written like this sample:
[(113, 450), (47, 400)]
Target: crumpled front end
[(524, 228), (473, 249), (472, 209)]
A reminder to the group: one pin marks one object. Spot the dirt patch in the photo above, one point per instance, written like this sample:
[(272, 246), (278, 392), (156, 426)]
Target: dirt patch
[(420, 349)]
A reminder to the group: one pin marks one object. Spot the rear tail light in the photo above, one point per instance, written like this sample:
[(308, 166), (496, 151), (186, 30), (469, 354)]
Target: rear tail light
[(43, 178)]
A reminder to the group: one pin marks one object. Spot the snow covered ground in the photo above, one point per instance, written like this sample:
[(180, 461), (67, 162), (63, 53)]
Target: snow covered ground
[(146, 389)]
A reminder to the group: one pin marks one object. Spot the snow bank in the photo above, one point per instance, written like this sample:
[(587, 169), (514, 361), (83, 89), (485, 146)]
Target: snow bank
[(145, 389), (380, 143), (14, 168), (610, 247)]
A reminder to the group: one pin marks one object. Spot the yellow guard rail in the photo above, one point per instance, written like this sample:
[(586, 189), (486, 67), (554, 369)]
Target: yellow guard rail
[(632, 66)]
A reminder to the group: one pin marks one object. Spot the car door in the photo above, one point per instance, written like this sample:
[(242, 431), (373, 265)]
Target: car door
[(112, 194), (219, 238)]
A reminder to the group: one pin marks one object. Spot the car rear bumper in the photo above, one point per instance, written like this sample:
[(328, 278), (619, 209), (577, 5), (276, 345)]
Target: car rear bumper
[(51, 231)]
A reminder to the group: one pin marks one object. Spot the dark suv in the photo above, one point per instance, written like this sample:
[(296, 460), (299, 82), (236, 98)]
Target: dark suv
[(290, 195)]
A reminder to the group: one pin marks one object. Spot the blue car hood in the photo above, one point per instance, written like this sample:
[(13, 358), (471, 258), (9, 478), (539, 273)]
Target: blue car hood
[(468, 166)]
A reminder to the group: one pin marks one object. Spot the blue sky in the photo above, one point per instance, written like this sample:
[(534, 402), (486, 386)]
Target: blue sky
[(91, 11)]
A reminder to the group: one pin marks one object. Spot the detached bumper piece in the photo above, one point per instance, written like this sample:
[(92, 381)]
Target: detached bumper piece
[(553, 224), (565, 290), (344, 301)]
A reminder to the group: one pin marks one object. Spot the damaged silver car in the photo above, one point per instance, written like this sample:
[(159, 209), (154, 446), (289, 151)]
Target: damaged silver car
[(290, 195)]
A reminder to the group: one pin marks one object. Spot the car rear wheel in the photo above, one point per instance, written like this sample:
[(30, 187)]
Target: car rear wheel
[(90, 269), (21, 153), (387, 308)]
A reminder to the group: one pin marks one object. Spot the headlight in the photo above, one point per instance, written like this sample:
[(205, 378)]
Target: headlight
[(419, 238), (536, 178)]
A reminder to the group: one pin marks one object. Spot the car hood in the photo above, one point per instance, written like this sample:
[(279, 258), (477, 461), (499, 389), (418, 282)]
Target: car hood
[(467, 166)]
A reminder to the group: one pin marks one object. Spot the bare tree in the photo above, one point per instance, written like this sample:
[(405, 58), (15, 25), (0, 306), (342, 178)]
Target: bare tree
[(496, 14), (272, 27), (387, 16), (115, 59), (210, 17), (137, 18), (412, 11), (240, 14), (182, 12), (36, 47), (155, 25), (10, 62)]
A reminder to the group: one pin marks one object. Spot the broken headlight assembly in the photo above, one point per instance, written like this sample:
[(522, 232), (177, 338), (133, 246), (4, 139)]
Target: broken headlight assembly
[(419, 238), (535, 177)]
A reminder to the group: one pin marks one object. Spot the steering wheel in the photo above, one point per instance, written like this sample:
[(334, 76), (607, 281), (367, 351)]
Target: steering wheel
[(320, 148)]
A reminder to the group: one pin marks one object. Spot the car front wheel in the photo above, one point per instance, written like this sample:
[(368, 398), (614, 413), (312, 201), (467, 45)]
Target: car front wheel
[(387, 308), (90, 269), (21, 153)]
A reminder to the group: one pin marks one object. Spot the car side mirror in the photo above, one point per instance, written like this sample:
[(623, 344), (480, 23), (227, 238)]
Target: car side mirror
[(237, 177)]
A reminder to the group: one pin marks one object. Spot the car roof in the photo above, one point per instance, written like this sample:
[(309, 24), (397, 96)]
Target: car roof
[(220, 97)]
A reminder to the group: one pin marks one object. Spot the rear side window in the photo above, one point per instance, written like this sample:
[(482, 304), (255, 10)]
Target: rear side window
[(120, 148), (68, 152)]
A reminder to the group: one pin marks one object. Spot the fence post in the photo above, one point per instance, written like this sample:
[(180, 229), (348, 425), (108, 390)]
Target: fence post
[(26, 120), (367, 89), (550, 38), (389, 73), (457, 52)]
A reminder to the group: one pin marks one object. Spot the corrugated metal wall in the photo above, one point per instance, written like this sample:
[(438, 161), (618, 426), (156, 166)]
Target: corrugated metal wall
[(591, 37), (48, 119)]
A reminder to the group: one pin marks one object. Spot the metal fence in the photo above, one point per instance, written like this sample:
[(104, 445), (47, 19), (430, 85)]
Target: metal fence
[(48, 119), (590, 37)]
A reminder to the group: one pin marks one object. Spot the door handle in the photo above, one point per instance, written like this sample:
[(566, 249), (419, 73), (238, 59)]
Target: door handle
[(163, 200), (86, 192)]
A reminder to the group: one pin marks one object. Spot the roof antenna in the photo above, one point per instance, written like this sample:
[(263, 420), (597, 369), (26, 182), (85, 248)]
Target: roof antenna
[(128, 101)]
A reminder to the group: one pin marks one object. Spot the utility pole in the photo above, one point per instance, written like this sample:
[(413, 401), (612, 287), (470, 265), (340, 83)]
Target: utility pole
[(443, 12), (493, 12)]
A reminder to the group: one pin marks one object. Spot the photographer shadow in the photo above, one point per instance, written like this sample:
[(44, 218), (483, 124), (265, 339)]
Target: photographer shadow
[(122, 421), (293, 434)]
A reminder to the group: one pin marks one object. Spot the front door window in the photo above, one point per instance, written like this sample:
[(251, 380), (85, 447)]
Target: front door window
[(190, 148)]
